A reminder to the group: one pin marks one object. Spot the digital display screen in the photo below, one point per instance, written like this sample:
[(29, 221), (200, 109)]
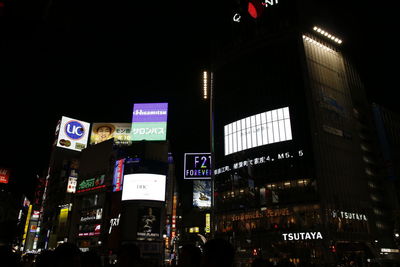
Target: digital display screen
[(258, 130), (202, 194), (144, 186)]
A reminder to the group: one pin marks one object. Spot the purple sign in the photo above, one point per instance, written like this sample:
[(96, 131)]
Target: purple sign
[(150, 112)]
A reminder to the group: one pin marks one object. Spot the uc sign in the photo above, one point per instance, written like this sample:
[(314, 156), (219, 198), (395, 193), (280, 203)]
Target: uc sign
[(74, 130), (197, 166)]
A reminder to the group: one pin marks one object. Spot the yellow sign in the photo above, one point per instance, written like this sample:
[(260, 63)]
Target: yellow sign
[(28, 217), (208, 223)]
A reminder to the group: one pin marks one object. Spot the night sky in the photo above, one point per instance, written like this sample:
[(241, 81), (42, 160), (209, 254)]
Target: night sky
[(91, 60)]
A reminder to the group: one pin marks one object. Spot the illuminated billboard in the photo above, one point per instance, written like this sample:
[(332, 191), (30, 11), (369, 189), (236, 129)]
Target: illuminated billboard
[(149, 223), (202, 194), (197, 166), (91, 183), (118, 175), (71, 186), (149, 121), (121, 132), (261, 129), (73, 134), (4, 176), (144, 186)]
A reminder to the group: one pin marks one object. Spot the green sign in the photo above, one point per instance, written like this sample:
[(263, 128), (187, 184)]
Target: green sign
[(91, 182)]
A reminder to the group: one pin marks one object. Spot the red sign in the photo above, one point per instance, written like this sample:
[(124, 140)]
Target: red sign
[(4, 176)]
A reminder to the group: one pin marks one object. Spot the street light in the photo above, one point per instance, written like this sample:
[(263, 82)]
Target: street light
[(208, 95)]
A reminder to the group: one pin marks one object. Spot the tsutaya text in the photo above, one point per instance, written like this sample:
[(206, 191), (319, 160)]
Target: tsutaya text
[(349, 215), (258, 160), (302, 236)]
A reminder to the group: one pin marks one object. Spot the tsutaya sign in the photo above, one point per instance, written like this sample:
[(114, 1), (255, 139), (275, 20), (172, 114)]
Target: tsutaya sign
[(302, 236), (349, 215)]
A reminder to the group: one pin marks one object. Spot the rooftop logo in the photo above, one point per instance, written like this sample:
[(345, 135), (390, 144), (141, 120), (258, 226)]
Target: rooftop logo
[(74, 130), (255, 8)]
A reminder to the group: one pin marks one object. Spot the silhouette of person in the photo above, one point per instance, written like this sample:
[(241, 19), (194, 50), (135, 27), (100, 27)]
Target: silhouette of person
[(129, 256), (259, 262), (189, 256), (67, 255), (91, 259), (45, 259), (8, 257), (218, 252)]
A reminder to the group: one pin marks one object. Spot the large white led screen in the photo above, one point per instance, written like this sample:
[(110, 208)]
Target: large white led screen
[(144, 186), (261, 129)]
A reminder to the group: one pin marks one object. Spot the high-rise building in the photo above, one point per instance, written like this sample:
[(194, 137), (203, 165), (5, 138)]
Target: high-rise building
[(387, 126), (295, 148)]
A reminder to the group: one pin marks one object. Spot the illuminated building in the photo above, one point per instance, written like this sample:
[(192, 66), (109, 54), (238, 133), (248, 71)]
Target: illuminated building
[(294, 145), (54, 198), (107, 208)]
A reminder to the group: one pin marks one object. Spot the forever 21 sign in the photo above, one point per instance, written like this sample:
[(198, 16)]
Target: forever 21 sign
[(197, 166)]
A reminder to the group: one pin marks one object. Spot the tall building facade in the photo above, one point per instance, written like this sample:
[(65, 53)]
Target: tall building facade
[(295, 175), (387, 124)]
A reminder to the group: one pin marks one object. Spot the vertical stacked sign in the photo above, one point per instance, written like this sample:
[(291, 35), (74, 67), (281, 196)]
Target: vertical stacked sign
[(118, 175), (149, 121)]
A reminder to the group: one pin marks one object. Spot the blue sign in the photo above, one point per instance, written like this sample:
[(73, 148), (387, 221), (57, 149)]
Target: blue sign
[(74, 130), (197, 166)]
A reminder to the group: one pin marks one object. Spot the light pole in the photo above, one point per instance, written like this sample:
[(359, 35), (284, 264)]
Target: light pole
[(208, 94)]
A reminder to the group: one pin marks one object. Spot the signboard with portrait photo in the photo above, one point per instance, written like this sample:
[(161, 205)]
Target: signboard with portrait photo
[(121, 132)]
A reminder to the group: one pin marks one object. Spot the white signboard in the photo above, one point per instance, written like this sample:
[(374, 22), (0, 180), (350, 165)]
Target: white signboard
[(144, 186), (73, 134)]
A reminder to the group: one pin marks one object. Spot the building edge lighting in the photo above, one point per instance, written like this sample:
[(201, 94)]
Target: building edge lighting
[(327, 35), (316, 43), (205, 85)]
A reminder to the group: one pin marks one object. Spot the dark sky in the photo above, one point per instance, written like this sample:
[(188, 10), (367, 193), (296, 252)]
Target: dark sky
[(91, 60)]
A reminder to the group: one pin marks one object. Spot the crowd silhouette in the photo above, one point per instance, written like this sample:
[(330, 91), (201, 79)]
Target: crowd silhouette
[(214, 253)]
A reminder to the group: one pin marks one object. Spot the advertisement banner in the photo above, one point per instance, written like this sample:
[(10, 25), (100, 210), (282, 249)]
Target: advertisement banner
[(118, 175), (197, 166), (144, 186), (202, 194), (89, 230), (148, 223), (4, 176), (258, 130), (121, 132), (73, 134), (71, 187), (91, 183), (149, 121)]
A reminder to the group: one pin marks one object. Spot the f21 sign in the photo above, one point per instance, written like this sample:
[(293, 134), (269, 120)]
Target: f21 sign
[(197, 166)]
